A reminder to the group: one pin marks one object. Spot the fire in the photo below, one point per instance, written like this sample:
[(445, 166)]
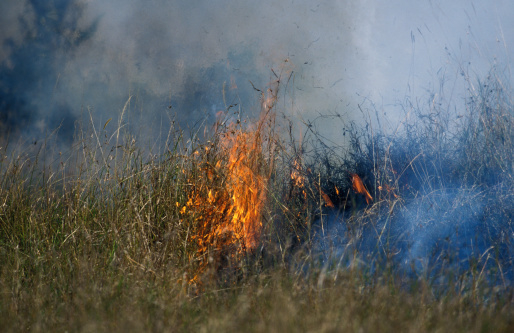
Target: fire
[(245, 185), (358, 186), (389, 190), (230, 200), (228, 194), (296, 177), (326, 198)]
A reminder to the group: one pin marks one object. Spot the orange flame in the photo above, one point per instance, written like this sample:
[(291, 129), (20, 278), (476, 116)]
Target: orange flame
[(358, 186), (390, 190), (228, 186), (245, 185), (228, 195), (229, 205), (296, 177), (326, 198)]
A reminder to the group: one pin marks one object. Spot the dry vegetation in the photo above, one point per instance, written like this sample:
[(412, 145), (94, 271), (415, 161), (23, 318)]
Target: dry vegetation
[(249, 230)]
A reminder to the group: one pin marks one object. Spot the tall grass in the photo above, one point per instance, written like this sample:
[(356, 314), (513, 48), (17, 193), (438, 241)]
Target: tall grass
[(108, 237)]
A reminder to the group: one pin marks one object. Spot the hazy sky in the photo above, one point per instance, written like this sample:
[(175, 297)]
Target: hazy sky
[(180, 54)]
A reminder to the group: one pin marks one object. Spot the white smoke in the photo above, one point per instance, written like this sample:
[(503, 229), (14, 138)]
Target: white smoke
[(343, 52)]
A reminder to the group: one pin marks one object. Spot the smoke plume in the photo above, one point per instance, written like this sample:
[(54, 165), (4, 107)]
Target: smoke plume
[(64, 61)]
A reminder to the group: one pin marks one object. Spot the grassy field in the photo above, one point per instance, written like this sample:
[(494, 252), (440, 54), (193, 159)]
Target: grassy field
[(250, 229)]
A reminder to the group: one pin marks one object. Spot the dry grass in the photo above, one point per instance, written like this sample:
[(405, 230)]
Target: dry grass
[(224, 234)]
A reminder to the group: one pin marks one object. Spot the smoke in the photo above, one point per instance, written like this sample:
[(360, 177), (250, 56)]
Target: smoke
[(28, 76), (454, 230), (182, 60)]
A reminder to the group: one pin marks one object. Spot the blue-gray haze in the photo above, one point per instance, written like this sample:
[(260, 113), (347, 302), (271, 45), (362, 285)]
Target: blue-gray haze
[(61, 60)]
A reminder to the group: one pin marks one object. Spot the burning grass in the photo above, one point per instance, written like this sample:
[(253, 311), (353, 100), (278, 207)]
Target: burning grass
[(248, 230), (228, 194)]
